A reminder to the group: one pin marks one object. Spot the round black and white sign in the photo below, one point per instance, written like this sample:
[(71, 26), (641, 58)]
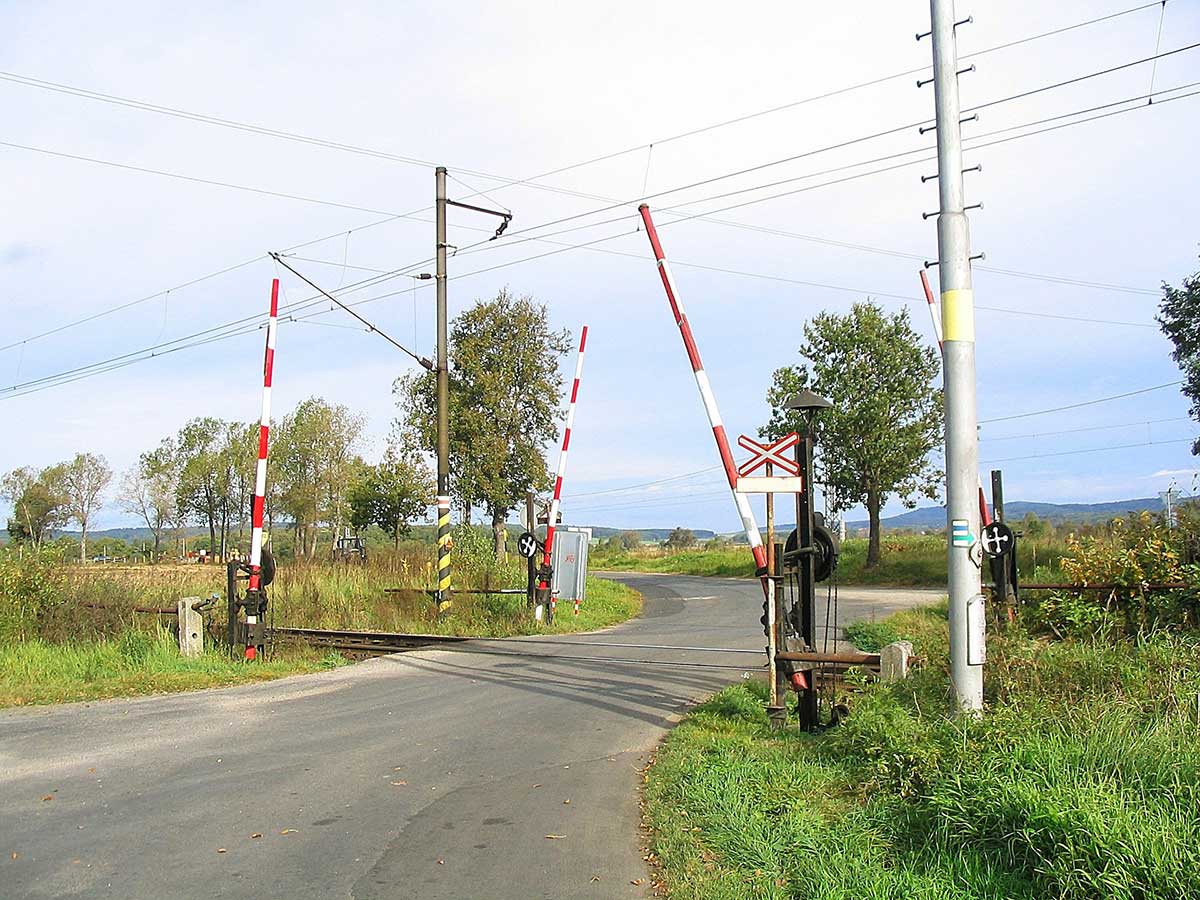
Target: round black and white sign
[(997, 540), (527, 545)]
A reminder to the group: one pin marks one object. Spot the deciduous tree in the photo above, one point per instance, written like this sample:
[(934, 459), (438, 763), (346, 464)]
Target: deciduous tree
[(1179, 317), (681, 539), (83, 482), (392, 493), (886, 419), (38, 503), (505, 391), (148, 490), (199, 492), (314, 462)]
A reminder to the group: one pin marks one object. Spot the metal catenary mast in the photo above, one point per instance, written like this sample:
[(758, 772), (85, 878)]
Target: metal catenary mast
[(958, 360)]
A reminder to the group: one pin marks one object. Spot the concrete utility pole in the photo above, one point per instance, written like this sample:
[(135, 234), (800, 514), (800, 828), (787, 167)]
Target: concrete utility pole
[(443, 404), (958, 331)]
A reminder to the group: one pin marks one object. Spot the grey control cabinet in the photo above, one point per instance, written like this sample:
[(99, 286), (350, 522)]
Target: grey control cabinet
[(569, 559)]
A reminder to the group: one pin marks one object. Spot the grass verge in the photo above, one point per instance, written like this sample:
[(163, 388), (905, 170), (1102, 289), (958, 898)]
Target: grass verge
[(137, 663), (907, 560), (1081, 781)]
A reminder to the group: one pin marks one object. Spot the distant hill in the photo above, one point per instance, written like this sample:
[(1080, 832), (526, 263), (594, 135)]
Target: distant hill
[(934, 517)]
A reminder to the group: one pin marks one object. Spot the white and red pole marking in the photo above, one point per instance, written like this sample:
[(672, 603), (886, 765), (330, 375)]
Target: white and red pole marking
[(933, 310), (562, 469), (260, 474), (706, 394), (985, 515)]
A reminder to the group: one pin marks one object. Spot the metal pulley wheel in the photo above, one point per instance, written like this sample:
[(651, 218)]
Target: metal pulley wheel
[(827, 549)]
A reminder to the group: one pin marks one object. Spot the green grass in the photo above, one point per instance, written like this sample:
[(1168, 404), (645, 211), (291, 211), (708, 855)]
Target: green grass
[(907, 560), (72, 633), (1081, 781), (36, 671)]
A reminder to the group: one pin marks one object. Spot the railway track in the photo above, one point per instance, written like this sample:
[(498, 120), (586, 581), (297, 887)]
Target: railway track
[(367, 641), (386, 642)]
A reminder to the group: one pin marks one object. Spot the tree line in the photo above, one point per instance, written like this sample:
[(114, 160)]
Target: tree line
[(506, 397), (203, 476)]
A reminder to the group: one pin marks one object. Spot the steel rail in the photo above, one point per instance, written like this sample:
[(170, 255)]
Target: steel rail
[(407, 637), (387, 641), (482, 651)]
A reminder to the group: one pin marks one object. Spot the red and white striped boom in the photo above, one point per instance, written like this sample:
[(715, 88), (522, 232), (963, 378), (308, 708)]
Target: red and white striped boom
[(706, 394), (562, 469), (260, 474)]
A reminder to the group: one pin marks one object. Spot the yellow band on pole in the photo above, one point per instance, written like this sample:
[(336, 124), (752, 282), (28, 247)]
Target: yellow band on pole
[(958, 316)]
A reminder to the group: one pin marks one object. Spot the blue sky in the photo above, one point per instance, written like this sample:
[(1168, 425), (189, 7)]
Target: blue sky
[(516, 91)]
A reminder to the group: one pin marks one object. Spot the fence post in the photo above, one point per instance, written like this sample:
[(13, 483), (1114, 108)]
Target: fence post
[(191, 628)]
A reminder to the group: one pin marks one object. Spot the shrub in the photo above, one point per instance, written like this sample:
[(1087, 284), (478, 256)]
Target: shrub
[(1136, 552), (871, 637)]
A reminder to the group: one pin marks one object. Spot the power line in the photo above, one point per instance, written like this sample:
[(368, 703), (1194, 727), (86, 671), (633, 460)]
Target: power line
[(412, 215), (1040, 434), (428, 364), (834, 93), (1042, 412), (286, 250), (849, 142), (210, 182), (254, 128), (130, 303), (1088, 450), (904, 165), (30, 386), (237, 327), (645, 484)]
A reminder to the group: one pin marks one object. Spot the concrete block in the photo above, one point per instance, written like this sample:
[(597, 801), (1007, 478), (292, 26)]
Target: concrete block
[(191, 628), (893, 660)]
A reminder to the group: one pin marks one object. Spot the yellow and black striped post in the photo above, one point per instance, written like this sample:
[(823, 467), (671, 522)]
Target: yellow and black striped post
[(443, 587)]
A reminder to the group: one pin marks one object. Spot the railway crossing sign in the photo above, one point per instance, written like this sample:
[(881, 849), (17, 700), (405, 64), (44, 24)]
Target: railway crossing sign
[(769, 453), (997, 540), (772, 453)]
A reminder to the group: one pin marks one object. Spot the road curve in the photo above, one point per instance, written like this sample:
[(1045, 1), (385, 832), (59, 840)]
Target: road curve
[(433, 774)]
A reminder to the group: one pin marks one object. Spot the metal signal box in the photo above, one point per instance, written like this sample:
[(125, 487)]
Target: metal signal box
[(569, 557)]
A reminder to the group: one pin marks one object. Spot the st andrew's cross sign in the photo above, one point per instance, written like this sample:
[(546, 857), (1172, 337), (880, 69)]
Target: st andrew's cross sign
[(774, 453)]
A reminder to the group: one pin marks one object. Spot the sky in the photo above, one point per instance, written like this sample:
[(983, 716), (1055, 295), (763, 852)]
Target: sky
[(1101, 212)]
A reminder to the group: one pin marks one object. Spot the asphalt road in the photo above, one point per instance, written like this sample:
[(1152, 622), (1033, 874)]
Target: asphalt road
[(435, 774)]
